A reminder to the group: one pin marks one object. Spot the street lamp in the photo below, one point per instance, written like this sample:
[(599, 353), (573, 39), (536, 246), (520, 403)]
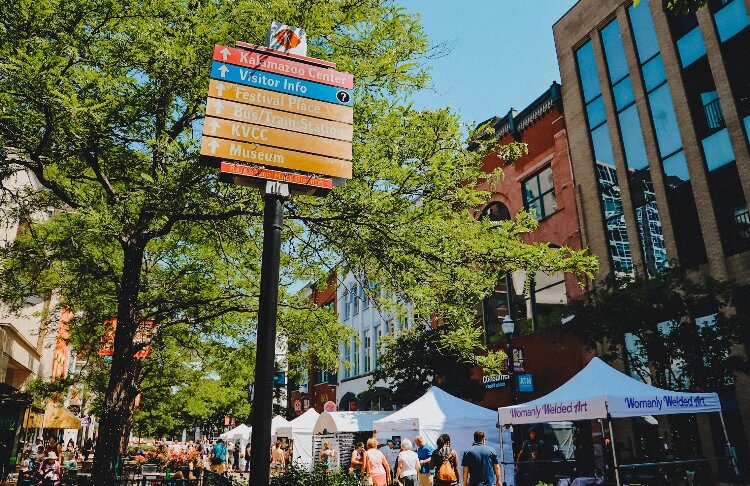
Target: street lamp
[(509, 327)]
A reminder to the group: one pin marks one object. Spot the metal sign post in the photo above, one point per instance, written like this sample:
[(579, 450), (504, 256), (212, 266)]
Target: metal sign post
[(265, 357)]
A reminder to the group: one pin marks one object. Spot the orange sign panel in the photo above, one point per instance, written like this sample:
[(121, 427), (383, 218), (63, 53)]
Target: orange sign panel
[(278, 119), (256, 171), (256, 153), (279, 101), (245, 132)]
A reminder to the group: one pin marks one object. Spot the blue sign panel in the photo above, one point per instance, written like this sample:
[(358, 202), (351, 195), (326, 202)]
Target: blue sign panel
[(281, 84), (526, 383)]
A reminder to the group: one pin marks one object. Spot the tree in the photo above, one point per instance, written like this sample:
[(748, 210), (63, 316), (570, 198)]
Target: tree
[(102, 103), (681, 6), (672, 330), (417, 359)]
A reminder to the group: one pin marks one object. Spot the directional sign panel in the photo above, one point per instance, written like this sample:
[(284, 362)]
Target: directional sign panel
[(274, 137), (278, 119), (275, 116), (279, 101), (281, 84), (275, 157), (280, 64)]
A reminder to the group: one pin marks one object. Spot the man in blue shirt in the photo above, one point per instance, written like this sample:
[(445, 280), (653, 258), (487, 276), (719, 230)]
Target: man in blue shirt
[(424, 453), (218, 456), (480, 463)]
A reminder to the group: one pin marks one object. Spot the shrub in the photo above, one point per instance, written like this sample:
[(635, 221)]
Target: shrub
[(298, 476)]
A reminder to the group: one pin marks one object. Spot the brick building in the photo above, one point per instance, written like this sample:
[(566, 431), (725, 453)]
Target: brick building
[(658, 110), (540, 182)]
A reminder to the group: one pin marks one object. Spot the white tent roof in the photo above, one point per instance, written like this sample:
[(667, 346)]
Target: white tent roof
[(337, 422), (599, 389), (245, 431), (241, 430), (436, 410), (303, 423), (276, 423)]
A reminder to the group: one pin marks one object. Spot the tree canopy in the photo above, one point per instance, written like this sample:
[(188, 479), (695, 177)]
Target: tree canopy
[(673, 330), (103, 101)]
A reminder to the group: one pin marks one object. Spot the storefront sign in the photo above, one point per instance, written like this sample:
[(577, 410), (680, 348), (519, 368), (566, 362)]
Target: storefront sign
[(330, 406), (526, 383)]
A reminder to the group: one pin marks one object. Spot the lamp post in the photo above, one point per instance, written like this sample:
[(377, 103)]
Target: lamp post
[(509, 327)]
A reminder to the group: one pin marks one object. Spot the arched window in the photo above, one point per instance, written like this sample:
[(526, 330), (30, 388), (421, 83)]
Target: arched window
[(496, 211)]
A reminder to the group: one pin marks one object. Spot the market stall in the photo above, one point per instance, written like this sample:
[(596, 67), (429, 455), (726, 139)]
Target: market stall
[(299, 432), (437, 412), (601, 392), (343, 430)]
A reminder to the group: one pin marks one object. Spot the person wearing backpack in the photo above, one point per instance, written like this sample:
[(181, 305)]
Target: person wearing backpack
[(445, 461)]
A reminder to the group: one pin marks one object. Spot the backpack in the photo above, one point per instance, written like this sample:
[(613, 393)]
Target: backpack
[(446, 472)]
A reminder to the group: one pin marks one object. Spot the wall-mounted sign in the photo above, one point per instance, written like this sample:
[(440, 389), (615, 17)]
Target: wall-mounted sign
[(298, 405), (495, 380), (525, 383), (330, 406)]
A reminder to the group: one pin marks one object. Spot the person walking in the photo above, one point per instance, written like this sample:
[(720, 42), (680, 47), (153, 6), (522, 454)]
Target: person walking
[(407, 464), (424, 451), (357, 462), (445, 462), (278, 458), (480, 463), (236, 456), (218, 456), (376, 465), (247, 457)]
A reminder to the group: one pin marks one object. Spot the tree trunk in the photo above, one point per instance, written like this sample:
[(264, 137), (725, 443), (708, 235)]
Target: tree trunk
[(122, 386)]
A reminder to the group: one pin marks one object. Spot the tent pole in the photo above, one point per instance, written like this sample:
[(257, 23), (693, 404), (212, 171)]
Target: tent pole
[(502, 454), (729, 445), (614, 452)]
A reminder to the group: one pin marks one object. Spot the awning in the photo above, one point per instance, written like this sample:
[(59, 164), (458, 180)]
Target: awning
[(55, 417)]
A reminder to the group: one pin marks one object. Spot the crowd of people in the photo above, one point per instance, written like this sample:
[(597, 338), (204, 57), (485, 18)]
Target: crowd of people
[(419, 464), (46, 461)]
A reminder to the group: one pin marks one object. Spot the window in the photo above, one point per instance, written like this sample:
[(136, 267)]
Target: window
[(691, 47), (346, 306), (684, 213), (731, 19), (647, 217), (718, 150), (368, 351), (354, 295), (609, 190), (378, 342), (346, 358), (365, 298), (355, 357), (539, 194)]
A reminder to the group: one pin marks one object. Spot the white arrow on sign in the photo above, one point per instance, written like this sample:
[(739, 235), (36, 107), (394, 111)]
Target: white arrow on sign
[(214, 126), (220, 89), (225, 53), (213, 145), (223, 70), (218, 106)]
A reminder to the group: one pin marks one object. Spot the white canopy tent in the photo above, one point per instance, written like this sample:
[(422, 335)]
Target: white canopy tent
[(241, 430), (437, 412), (300, 431), (343, 422), (599, 391)]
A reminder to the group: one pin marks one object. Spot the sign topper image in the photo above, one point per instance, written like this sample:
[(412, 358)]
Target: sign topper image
[(287, 39)]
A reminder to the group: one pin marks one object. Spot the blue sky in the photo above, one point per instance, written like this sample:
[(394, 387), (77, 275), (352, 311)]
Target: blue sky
[(503, 53)]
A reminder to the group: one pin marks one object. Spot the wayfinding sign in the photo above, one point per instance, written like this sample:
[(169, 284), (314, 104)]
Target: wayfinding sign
[(273, 115)]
